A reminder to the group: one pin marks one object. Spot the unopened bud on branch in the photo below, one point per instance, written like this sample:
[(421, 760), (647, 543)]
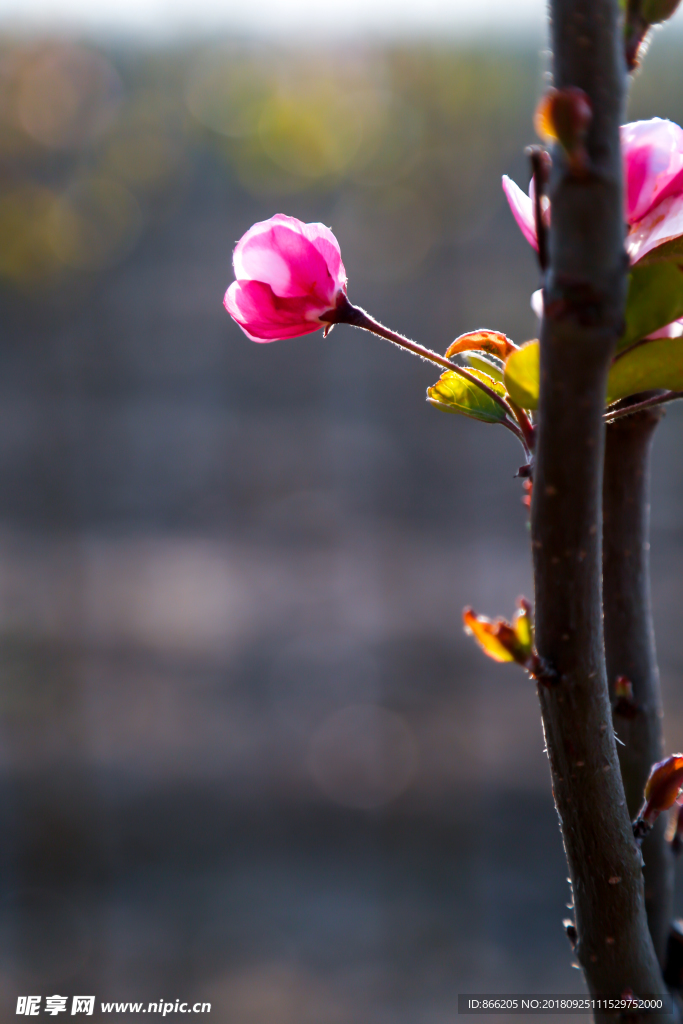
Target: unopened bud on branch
[(661, 791), (624, 702), (564, 116)]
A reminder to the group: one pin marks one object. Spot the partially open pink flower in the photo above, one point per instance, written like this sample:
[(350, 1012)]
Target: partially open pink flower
[(288, 275), (653, 164), (652, 152)]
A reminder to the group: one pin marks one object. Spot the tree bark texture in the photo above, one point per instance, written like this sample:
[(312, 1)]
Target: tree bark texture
[(584, 293), (630, 643)]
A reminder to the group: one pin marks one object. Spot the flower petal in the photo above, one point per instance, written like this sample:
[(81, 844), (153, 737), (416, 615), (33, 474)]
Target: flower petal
[(537, 303), (674, 330), (652, 152), (265, 316), (328, 246), (278, 253), (662, 224), (522, 210)]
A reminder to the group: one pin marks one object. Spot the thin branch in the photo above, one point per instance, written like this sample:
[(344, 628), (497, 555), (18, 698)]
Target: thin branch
[(648, 403), (629, 641), (525, 423), (539, 169), (346, 313), (585, 293)]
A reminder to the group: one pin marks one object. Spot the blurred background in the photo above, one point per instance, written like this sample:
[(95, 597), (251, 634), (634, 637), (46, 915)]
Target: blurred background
[(247, 754)]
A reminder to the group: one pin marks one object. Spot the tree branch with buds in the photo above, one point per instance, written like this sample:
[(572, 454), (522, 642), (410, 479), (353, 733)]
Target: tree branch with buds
[(585, 293)]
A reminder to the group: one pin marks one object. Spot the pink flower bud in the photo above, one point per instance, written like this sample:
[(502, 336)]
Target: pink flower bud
[(289, 274), (652, 153)]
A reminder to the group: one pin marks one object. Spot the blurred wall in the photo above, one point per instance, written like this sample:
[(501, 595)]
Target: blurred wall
[(247, 753)]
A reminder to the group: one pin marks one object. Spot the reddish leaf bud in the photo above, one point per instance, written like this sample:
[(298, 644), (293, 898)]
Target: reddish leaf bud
[(523, 625), (486, 633), (624, 703), (564, 115), (493, 342), (623, 688), (501, 640), (662, 787)]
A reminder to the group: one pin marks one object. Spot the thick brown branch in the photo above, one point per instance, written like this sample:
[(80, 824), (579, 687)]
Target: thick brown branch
[(630, 645), (585, 291)]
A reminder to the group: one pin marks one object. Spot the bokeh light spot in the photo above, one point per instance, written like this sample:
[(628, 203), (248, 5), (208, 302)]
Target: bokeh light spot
[(227, 93), (313, 132), (385, 233), (26, 255), (94, 224), (67, 96)]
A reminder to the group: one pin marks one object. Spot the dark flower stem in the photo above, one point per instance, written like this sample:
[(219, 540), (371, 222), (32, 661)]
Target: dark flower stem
[(346, 313), (539, 169), (585, 293), (630, 644), (525, 424), (648, 403)]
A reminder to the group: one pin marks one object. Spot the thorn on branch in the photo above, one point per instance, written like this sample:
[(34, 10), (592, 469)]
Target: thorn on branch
[(571, 932)]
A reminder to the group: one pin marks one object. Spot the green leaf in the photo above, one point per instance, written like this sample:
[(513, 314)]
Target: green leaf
[(487, 366), (671, 251), (452, 393), (522, 375), (652, 365), (649, 366), (656, 11), (655, 299)]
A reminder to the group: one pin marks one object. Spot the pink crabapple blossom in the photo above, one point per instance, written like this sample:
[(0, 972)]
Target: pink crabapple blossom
[(289, 274), (291, 282), (652, 153)]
